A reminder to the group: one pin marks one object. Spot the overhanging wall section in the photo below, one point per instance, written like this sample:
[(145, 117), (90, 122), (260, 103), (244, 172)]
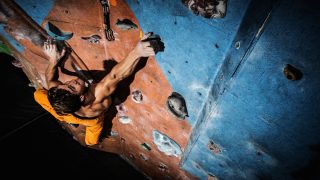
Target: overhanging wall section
[(195, 47), (265, 123)]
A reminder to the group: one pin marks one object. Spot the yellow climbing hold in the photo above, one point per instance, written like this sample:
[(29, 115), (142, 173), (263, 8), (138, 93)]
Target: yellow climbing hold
[(113, 2)]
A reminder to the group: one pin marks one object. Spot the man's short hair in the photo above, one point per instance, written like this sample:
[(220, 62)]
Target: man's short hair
[(63, 101)]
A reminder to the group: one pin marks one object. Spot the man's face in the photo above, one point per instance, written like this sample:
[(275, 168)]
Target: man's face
[(75, 86)]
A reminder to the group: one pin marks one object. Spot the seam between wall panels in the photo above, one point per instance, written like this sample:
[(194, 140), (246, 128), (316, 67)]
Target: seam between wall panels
[(228, 70)]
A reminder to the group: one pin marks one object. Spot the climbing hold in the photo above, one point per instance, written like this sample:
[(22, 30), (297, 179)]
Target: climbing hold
[(122, 110), (166, 144), (237, 45), (126, 24), (292, 73), (162, 167), (143, 157), (124, 119), (177, 105), (114, 133), (113, 2), (137, 96), (146, 146), (214, 147), (208, 8), (95, 39), (56, 33)]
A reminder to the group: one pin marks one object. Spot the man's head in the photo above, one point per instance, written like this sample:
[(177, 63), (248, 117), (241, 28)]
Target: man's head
[(67, 98)]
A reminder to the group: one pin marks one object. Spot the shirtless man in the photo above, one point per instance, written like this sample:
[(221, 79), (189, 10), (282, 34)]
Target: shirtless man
[(72, 102)]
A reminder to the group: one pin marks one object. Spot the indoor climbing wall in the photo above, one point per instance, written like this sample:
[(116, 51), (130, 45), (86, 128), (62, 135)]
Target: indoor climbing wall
[(140, 127), (256, 114), (231, 97), (195, 46)]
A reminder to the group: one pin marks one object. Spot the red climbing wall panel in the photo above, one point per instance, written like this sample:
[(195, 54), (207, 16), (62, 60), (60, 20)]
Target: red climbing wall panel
[(132, 123)]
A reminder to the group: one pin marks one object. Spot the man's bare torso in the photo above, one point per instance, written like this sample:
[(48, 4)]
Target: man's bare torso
[(94, 107)]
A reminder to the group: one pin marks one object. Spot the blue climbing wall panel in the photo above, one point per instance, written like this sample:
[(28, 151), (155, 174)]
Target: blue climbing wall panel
[(37, 11), (11, 40), (249, 120), (195, 46)]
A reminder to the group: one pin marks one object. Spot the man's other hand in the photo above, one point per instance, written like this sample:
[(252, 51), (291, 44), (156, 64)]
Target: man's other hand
[(50, 49), (143, 48)]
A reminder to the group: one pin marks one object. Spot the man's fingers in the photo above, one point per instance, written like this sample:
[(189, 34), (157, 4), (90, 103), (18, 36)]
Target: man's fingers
[(146, 44), (51, 47), (149, 52), (146, 36), (45, 45)]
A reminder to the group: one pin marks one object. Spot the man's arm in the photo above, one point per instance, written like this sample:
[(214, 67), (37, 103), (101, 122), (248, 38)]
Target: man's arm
[(52, 75), (123, 69)]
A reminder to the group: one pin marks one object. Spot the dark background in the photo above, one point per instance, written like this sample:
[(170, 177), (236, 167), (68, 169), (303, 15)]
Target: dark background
[(33, 144)]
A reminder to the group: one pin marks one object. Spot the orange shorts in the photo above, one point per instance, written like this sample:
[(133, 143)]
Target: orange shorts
[(94, 126)]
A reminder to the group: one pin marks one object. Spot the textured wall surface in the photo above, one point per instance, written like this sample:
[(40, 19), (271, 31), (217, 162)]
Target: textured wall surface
[(195, 46), (141, 130), (247, 118), (251, 122)]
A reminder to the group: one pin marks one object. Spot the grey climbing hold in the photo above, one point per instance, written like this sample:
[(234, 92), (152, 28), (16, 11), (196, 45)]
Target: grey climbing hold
[(114, 133), (162, 167), (137, 96), (122, 110), (126, 24), (95, 39), (208, 8), (124, 119), (165, 144), (177, 105)]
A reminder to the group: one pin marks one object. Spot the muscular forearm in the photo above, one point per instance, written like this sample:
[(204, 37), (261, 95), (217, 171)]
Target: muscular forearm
[(51, 51), (122, 70), (51, 74), (125, 67)]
